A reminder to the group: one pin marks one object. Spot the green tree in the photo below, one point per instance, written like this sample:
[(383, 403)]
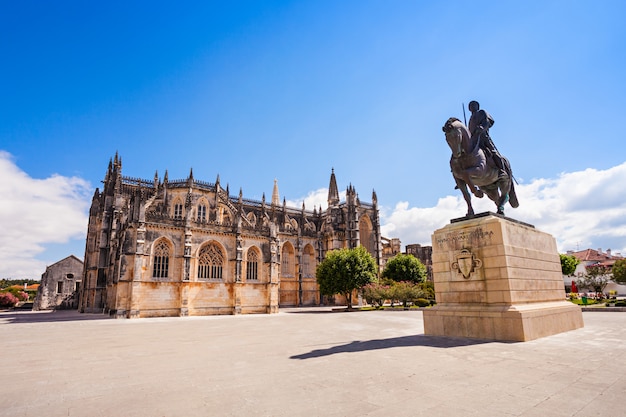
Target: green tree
[(405, 291), (597, 277), (568, 264), (405, 268), (429, 289), (345, 270), (619, 271)]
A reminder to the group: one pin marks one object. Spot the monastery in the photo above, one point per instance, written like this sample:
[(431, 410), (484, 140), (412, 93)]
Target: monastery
[(187, 247)]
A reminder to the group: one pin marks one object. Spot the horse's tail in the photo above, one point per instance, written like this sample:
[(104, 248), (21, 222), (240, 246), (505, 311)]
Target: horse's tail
[(513, 201)]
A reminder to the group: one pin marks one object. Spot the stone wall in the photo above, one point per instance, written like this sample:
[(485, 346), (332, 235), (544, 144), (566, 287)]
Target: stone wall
[(59, 285)]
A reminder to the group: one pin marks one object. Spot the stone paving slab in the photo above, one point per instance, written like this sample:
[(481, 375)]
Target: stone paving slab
[(302, 362)]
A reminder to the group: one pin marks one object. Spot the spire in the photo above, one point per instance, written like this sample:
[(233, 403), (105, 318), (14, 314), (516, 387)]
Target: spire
[(275, 197), (333, 192), (190, 178), (374, 198)]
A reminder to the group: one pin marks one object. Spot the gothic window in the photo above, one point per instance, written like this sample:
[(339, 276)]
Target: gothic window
[(252, 265), (288, 267), (210, 262), (161, 261), (202, 213), (178, 211), (308, 262), (366, 234)]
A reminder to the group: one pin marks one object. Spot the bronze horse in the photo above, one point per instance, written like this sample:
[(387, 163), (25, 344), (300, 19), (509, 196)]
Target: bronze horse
[(471, 168)]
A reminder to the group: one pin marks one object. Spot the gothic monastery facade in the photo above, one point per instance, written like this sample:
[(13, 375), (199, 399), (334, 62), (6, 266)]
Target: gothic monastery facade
[(187, 247)]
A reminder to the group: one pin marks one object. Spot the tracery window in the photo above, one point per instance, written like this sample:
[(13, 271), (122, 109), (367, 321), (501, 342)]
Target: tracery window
[(178, 211), (210, 262), (366, 234), (252, 265), (308, 262), (161, 260), (287, 261), (202, 213)]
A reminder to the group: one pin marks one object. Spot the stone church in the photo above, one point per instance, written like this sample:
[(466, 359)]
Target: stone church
[(186, 247)]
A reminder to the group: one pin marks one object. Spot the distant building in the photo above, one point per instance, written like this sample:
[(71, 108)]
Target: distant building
[(590, 257), (424, 254), (187, 247), (60, 285), (391, 247)]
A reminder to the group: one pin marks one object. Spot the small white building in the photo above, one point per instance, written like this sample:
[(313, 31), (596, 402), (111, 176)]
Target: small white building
[(590, 257)]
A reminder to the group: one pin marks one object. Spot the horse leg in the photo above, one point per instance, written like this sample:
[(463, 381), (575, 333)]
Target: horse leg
[(461, 185), (468, 180), (466, 175), (504, 184)]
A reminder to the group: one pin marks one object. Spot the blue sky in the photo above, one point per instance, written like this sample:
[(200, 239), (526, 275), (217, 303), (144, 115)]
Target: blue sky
[(255, 91)]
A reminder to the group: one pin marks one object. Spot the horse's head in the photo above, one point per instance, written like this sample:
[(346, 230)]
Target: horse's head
[(454, 131)]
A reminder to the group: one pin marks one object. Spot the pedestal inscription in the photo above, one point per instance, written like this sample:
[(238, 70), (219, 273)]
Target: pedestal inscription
[(498, 279)]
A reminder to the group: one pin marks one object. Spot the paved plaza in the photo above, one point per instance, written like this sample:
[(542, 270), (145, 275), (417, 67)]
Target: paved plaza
[(302, 362)]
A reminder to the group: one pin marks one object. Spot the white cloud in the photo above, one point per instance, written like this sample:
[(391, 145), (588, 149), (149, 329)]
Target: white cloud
[(314, 199), (34, 213), (585, 209)]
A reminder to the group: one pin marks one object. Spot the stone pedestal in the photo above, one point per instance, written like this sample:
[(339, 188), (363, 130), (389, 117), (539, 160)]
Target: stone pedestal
[(498, 279)]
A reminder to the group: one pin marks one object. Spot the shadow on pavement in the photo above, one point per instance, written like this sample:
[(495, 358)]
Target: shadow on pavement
[(404, 341), (15, 317)]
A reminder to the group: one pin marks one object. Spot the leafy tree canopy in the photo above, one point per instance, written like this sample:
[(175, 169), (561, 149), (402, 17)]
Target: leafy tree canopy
[(619, 271), (597, 278), (405, 268), (568, 264), (7, 282), (345, 270)]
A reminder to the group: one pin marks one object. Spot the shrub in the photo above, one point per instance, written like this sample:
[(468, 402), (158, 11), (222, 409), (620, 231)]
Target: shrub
[(376, 294), (406, 292), (620, 303), (422, 302), (8, 300), (429, 289)]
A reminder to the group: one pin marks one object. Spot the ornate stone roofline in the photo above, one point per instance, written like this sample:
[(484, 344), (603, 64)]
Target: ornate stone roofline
[(137, 182), (131, 183)]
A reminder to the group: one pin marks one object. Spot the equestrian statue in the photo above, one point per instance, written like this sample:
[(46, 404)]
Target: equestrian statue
[(476, 164)]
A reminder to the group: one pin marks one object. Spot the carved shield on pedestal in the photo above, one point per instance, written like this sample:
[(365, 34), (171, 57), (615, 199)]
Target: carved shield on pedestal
[(466, 263)]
